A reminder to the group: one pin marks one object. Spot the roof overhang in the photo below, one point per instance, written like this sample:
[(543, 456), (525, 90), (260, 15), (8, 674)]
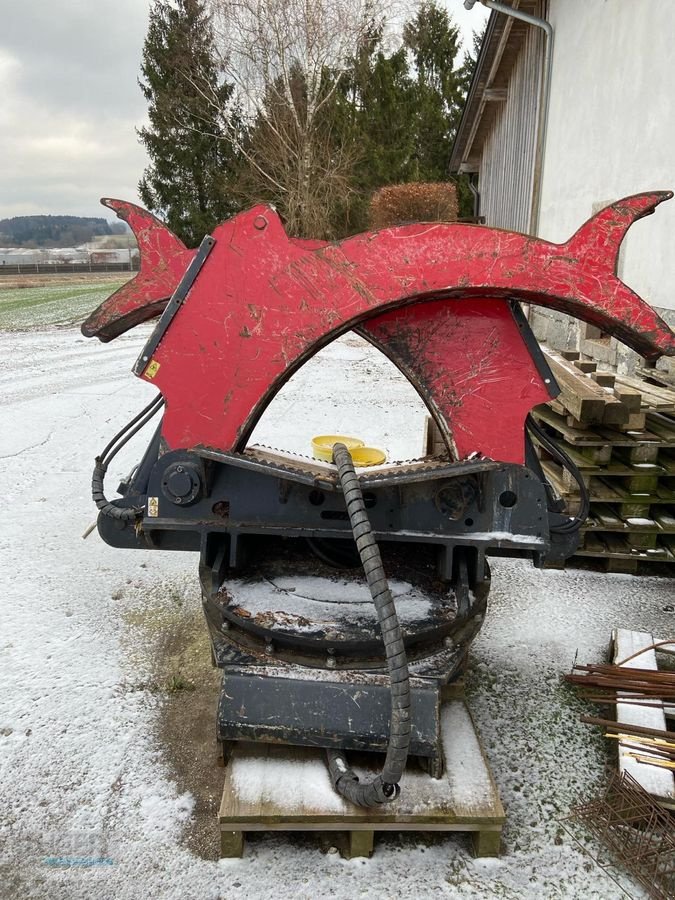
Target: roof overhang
[(503, 39)]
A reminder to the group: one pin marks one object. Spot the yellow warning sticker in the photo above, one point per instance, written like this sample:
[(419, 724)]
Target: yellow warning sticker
[(153, 506), (152, 370)]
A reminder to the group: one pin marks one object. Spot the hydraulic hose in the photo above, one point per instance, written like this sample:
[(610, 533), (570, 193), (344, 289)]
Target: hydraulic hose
[(575, 522), (103, 461), (385, 786)]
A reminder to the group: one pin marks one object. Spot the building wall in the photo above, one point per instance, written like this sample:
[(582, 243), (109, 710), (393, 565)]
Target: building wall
[(507, 160), (611, 129)]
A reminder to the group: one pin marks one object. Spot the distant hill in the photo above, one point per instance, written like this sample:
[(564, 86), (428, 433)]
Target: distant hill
[(54, 231)]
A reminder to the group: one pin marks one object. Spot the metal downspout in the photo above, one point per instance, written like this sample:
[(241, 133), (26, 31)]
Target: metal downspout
[(476, 198), (542, 123)]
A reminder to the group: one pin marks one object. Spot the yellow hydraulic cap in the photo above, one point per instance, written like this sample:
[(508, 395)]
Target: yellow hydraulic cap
[(322, 448)]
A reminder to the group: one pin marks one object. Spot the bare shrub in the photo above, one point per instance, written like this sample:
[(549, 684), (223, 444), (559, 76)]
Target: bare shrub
[(413, 202)]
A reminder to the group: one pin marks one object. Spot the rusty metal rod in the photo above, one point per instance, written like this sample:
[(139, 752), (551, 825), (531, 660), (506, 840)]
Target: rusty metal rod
[(635, 690), (621, 682), (618, 679), (623, 728), (638, 691), (645, 649), (629, 700), (620, 672)]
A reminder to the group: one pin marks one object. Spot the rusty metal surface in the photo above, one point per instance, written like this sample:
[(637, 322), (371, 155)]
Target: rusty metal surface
[(263, 304), (302, 596), (637, 832), (306, 470), (307, 609)]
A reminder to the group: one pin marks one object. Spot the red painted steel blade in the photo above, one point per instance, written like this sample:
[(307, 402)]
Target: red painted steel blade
[(264, 303), (164, 258), (472, 368), (593, 248)]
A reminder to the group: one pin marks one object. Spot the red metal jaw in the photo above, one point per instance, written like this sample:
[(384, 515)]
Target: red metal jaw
[(164, 258), (433, 297)]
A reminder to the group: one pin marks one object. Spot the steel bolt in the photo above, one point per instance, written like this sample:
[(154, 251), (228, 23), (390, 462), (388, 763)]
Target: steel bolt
[(269, 648), (448, 641), (225, 626), (260, 222), (330, 662)]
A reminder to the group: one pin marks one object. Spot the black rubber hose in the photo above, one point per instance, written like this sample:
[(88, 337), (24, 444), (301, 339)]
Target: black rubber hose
[(566, 462), (146, 414), (384, 787), (104, 505), (123, 513)]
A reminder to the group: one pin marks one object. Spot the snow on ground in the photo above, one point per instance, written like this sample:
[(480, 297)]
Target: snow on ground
[(348, 389), (88, 804)]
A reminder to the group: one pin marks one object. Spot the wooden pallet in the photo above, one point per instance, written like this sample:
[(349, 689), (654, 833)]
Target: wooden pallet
[(628, 466), (590, 396), (278, 788), (625, 530)]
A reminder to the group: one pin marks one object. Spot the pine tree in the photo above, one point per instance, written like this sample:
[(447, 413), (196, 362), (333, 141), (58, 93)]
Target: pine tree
[(188, 181), (373, 114), (433, 42), (400, 110)]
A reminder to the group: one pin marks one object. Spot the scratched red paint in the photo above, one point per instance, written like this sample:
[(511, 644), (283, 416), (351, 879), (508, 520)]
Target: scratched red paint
[(470, 364), (164, 259), (263, 304)]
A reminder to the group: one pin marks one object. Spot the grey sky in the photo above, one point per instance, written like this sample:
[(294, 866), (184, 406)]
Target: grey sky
[(70, 102)]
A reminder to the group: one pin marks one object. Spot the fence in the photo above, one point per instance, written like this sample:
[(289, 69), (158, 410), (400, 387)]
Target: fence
[(64, 268)]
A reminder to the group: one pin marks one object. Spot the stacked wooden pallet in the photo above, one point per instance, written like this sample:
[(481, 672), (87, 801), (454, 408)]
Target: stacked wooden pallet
[(620, 432)]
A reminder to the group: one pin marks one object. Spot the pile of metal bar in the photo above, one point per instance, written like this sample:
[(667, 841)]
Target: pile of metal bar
[(603, 683), (613, 684)]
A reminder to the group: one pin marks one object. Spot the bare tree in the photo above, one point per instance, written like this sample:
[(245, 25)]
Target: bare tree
[(286, 58)]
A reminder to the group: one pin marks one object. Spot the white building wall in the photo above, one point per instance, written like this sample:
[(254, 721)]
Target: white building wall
[(611, 129)]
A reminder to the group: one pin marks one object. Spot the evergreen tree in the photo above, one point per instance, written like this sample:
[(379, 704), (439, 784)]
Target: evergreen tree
[(192, 159), (373, 114), (433, 43), (401, 110), (386, 117), (471, 57)]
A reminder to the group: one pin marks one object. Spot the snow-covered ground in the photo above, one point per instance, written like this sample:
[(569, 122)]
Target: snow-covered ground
[(89, 804)]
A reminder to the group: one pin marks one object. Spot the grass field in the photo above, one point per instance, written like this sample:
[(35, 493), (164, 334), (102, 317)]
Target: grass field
[(28, 306)]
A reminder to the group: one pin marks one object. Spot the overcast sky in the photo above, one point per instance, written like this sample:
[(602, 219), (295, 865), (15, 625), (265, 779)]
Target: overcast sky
[(70, 102)]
